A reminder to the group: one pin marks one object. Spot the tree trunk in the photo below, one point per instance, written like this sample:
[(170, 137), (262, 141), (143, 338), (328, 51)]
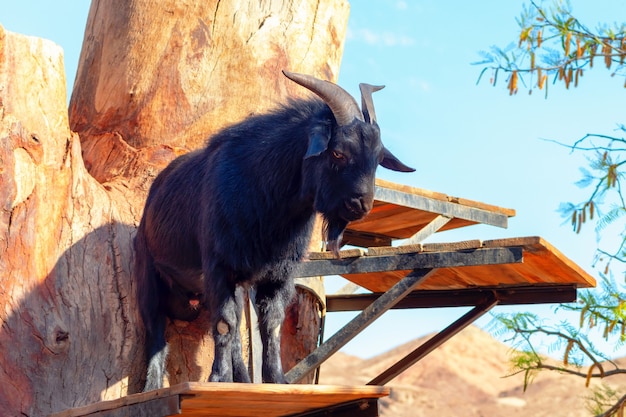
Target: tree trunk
[(155, 79)]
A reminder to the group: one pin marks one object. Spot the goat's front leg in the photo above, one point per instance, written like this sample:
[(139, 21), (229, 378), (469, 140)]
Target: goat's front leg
[(240, 370), (272, 298), (225, 307)]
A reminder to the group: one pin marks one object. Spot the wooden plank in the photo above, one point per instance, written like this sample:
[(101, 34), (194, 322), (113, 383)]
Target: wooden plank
[(364, 239), (400, 212), (267, 400), (346, 253), (452, 246), (444, 197), (155, 403), (377, 281), (448, 209), (394, 250), (396, 221), (543, 265), (360, 408), (235, 399), (468, 297), (166, 406), (409, 261)]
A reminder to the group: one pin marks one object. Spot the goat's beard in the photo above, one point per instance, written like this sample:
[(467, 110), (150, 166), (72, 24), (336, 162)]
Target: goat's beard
[(333, 231)]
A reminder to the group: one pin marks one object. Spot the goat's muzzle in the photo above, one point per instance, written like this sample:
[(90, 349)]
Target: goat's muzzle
[(356, 208)]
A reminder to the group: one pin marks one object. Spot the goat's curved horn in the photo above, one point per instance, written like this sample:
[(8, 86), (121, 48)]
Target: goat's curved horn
[(367, 103), (343, 105)]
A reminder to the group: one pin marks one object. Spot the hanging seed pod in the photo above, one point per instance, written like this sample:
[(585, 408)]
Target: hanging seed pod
[(570, 75), (589, 374), (592, 53), (582, 316), (584, 214), (611, 327), (542, 81), (513, 83), (606, 51), (568, 349)]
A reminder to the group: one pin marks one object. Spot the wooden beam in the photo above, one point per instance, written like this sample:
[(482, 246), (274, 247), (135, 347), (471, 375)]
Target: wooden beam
[(434, 342), (469, 297), (409, 261), (140, 405), (357, 324), (360, 408), (448, 209), (430, 229), (364, 239)]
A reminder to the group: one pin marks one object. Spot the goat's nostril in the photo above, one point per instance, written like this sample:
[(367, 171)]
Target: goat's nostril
[(356, 205), (367, 206)]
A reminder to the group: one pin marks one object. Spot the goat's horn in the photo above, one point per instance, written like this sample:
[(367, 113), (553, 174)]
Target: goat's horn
[(343, 105), (367, 103)]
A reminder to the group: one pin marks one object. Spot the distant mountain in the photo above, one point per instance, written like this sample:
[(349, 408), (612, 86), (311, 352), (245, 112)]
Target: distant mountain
[(464, 377)]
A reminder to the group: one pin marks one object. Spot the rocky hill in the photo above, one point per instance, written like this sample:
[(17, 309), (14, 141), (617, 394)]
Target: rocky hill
[(464, 377)]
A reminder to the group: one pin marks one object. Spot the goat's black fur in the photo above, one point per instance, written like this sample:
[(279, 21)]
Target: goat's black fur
[(240, 213)]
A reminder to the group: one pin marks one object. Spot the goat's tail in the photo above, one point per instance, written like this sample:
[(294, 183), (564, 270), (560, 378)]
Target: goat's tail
[(146, 280), (152, 315)]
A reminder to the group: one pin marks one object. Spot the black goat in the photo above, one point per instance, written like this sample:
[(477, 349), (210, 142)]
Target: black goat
[(240, 213)]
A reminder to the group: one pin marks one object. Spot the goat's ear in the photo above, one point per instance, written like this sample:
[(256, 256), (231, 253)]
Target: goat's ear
[(391, 162), (318, 141)]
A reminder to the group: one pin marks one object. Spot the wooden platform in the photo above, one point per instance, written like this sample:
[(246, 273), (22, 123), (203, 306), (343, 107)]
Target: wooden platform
[(469, 273), (474, 273), (401, 212), (459, 265), (194, 399)]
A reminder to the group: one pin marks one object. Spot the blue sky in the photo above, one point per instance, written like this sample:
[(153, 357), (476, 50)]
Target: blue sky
[(467, 140)]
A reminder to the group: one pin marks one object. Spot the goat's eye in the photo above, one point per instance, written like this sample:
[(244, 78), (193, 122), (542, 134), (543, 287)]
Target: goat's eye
[(339, 156)]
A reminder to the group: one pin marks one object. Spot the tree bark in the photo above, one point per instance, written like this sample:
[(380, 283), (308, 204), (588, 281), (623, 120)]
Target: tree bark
[(155, 79)]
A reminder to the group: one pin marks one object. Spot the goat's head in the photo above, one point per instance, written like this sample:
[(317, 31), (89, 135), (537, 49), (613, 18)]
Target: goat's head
[(342, 157)]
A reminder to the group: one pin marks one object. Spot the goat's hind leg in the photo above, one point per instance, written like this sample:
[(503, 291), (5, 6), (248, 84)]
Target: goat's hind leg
[(272, 299)]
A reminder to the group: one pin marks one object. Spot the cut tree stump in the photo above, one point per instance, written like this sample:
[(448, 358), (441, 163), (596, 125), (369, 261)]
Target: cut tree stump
[(155, 80)]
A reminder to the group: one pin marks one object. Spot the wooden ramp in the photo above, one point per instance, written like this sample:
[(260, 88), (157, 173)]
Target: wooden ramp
[(195, 399)]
